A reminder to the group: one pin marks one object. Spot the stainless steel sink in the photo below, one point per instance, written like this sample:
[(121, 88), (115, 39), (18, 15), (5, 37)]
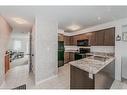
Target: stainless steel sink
[(99, 58)]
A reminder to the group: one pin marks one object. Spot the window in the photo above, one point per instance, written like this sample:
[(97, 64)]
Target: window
[(17, 45)]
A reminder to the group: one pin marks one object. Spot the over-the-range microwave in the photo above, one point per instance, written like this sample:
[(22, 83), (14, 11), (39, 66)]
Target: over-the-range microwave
[(83, 42)]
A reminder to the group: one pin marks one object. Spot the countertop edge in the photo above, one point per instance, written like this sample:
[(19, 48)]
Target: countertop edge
[(95, 72)]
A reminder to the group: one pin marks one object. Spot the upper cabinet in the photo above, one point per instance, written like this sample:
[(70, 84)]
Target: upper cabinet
[(109, 37), (92, 39), (99, 38), (78, 37), (66, 40), (71, 40), (104, 37), (60, 37)]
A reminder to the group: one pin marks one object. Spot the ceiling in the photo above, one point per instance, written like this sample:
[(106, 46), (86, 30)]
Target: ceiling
[(84, 16)]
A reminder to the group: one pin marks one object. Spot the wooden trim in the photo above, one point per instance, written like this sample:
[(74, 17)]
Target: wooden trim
[(7, 62)]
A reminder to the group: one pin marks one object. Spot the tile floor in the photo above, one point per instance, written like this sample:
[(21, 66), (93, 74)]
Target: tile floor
[(119, 85), (61, 81), (15, 77), (19, 76)]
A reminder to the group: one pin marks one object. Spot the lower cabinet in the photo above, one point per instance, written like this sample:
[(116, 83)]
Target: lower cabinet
[(72, 56), (66, 57), (69, 56), (100, 38), (80, 79), (7, 62), (66, 40)]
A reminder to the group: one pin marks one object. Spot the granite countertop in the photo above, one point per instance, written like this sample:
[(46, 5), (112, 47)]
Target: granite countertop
[(91, 65)]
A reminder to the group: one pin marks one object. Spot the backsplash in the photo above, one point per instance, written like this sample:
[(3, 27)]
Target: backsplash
[(103, 49), (71, 48), (106, 49)]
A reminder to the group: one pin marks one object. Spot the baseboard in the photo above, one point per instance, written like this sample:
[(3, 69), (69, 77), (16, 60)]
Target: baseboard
[(39, 82), (2, 82), (2, 85)]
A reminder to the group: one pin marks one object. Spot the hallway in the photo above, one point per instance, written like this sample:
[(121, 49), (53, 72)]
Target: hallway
[(19, 76), (61, 81), (15, 77)]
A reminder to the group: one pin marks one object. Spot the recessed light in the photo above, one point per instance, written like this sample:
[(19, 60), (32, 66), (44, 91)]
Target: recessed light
[(99, 18), (74, 27), (19, 20)]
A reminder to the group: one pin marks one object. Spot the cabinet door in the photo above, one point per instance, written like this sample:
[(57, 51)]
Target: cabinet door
[(109, 38), (66, 57), (71, 40), (72, 56), (66, 40), (79, 79), (99, 38), (92, 39)]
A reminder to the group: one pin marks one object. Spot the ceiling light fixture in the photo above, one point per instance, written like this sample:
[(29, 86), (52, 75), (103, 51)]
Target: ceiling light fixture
[(99, 18), (73, 27), (19, 20)]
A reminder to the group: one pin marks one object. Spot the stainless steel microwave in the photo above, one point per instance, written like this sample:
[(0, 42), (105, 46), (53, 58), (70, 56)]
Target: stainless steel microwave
[(82, 42)]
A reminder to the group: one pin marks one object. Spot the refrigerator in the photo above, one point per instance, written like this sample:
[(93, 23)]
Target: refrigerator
[(60, 53)]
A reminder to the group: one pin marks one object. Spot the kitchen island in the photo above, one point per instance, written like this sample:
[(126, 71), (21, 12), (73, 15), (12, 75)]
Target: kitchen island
[(95, 72)]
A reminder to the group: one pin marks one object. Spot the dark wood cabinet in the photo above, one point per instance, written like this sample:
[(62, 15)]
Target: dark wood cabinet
[(109, 37), (72, 56), (69, 56), (80, 79), (92, 39), (66, 57), (66, 40), (99, 38), (78, 37), (7, 62), (69, 40), (104, 37)]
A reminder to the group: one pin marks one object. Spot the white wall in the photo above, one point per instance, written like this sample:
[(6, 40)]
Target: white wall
[(106, 49), (124, 54), (61, 31), (33, 49), (46, 46), (4, 38)]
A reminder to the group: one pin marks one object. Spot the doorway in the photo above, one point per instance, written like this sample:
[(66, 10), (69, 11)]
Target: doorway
[(18, 49)]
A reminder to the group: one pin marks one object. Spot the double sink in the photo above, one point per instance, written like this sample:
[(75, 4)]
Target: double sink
[(94, 60), (99, 58)]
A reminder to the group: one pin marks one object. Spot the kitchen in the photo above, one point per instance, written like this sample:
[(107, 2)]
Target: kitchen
[(92, 47), (86, 55)]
